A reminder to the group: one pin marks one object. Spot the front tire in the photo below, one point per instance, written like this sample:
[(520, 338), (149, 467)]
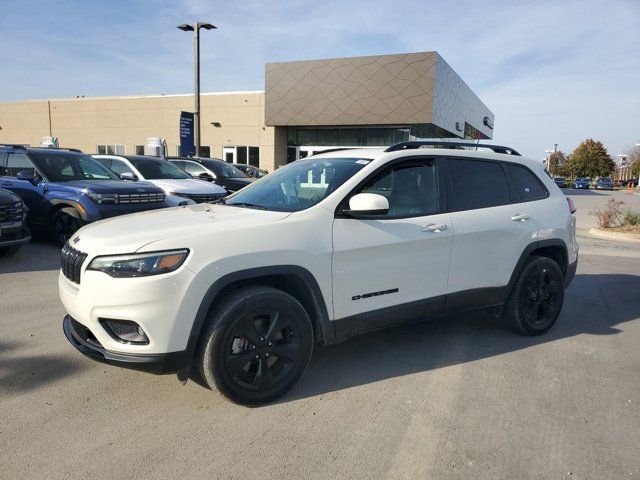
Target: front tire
[(256, 345), (63, 226), (537, 297)]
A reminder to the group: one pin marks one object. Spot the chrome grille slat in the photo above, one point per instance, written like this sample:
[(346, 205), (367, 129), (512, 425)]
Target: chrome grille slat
[(128, 198), (10, 213), (202, 197)]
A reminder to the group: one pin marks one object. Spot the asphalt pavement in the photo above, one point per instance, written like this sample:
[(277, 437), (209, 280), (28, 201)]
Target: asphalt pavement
[(457, 398)]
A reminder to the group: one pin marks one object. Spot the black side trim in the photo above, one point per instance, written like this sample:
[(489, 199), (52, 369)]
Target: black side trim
[(388, 316), (475, 299), (327, 329), (571, 272), (159, 363)]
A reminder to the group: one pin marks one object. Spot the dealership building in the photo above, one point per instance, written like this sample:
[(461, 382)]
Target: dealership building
[(307, 107)]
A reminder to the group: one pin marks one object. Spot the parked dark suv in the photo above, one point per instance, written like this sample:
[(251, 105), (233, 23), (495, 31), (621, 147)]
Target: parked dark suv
[(65, 189), (13, 228), (213, 170)]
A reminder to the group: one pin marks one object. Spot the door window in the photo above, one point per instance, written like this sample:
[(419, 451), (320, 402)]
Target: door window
[(119, 167), (411, 189), (528, 185), (478, 184), (194, 169), (18, 162)]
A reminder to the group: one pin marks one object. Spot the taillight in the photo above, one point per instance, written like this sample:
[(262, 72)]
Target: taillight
[(572, 206)]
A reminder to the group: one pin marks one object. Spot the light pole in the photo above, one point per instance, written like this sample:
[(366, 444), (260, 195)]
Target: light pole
[(185, 27), (550, 152)]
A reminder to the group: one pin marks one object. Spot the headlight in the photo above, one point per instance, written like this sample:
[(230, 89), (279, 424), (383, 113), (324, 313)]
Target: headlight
[(139, 264), (102, 198)]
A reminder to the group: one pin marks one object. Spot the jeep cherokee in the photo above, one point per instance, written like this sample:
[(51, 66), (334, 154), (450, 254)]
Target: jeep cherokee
[(324, 248)]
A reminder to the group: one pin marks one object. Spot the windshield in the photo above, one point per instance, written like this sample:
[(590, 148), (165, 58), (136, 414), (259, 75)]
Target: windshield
[(224, 169), (66, 167), (299, 185), (605, 180), (152, 169)]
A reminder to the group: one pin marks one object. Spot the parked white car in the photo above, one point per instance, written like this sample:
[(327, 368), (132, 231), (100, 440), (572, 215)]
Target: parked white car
[(180, 187), (322, 249)]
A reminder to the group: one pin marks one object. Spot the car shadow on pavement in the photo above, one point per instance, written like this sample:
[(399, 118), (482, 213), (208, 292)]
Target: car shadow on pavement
[(32, 257), (594, 305), (21, 374)]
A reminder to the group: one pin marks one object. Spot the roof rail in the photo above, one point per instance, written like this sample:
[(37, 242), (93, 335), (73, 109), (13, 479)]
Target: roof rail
[(13, 145), (60, 148), (453, 145)]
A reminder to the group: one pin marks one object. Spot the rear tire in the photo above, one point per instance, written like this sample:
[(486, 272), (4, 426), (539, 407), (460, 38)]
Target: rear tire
[(256, 345), (537, 297)]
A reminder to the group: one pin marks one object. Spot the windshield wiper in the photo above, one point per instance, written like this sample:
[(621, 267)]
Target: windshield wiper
[(247, 205)]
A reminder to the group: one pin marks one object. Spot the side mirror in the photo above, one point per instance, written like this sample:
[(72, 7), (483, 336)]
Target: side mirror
[(129, 176), (368, 204), (205, 176), (27, 175)]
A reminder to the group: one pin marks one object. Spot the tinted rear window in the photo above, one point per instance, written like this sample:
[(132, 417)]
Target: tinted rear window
[(478, 184), (528, 185)]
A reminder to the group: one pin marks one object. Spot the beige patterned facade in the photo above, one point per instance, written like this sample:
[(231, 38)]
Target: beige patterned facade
[(404, 89)]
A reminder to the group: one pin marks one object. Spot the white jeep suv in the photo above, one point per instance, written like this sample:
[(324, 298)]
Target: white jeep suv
[(324, 248)]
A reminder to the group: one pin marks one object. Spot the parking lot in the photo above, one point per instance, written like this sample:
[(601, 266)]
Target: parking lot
[(456, 398)]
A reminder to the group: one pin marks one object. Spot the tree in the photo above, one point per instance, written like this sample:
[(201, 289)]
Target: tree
[(590, 159), (557, 162), (633, 157)]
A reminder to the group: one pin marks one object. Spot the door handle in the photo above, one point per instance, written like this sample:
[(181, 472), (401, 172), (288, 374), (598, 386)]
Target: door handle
[(434, 227), (6, 184), (520, 217)]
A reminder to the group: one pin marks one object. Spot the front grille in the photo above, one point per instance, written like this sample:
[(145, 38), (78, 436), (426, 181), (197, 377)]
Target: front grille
[(71, 262), (203, 198), (127, 198), (11, 213), (83, 333)]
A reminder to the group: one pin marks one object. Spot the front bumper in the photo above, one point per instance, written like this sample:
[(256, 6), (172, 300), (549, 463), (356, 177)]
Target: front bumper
[(158, 363), (12, 235)]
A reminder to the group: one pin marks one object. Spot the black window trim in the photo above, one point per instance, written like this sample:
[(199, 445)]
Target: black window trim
[(381, 170), (514, 197)]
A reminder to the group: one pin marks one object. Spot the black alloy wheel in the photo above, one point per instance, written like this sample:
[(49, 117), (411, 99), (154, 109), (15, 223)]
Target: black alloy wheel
[(64, 226), (537, 297), (256, 345), (261, 350), (541, 298)]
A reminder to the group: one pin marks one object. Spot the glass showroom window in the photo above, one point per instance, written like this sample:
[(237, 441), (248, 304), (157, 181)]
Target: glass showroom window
[(111, 149), (243, 155), (139, 149)]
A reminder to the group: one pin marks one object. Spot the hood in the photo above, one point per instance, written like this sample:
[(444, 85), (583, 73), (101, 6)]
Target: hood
[(107, 186), (188, 185), (129, 233), (6, 197)]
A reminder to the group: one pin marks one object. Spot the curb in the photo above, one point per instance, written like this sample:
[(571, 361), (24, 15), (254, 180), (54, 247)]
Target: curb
[(616, 236)]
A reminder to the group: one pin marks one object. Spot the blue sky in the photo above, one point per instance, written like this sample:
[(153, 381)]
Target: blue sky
[(551, 71)]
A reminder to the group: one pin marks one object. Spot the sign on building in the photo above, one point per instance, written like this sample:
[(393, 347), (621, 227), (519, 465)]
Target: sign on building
[(187, 145)]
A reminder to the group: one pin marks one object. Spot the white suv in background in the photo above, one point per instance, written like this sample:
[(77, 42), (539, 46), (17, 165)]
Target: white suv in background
[(180, 187), (324, 248)]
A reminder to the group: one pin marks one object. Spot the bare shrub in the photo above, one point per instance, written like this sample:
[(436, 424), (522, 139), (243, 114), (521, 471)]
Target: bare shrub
[(609, 216)]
